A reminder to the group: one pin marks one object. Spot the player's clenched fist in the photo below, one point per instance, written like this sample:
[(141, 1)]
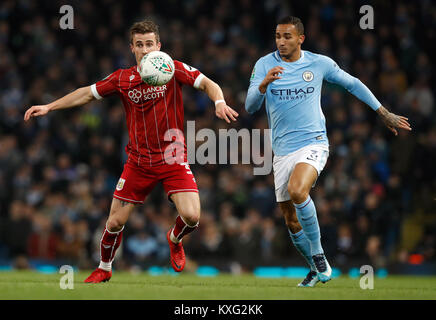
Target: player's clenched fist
[(273, 74), (36, 111)]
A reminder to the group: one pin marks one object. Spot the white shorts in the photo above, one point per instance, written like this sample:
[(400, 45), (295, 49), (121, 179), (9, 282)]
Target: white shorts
[(315, 155)]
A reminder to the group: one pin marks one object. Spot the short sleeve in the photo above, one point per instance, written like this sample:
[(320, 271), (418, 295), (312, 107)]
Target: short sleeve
[(187, 75), (106, 86)]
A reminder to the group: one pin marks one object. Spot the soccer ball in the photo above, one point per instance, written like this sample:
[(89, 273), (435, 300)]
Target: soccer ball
[(156, 68)]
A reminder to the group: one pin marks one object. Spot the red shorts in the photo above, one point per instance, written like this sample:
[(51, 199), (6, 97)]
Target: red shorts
[(137, 182)]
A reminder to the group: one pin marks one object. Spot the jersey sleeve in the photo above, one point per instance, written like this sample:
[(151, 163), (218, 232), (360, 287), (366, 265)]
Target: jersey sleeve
[(254, 98), (106, 86), (187, 75), (334, 74)]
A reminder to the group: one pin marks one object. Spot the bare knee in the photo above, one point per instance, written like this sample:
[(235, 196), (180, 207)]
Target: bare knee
[(114, 223), (191, 217), (188, 207), (120, 212), (190, 214), (298, 195)]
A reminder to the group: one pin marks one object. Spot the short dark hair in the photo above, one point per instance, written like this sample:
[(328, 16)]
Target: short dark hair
[(293, 20), (142, 27)]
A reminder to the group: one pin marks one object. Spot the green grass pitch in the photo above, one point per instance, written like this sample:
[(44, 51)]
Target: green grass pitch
[(29, 285)]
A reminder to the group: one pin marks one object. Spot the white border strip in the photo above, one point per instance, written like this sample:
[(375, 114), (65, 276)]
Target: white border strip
[(182, 190), (129, 200), (197, 81), (95, 92)]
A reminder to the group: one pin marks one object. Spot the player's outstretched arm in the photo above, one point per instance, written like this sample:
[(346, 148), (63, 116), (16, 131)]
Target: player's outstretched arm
[(334, 74), (214, 92), (393, 121), (76, 98)]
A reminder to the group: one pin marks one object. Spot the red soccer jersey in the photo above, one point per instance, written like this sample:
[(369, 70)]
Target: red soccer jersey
[(155, 115)]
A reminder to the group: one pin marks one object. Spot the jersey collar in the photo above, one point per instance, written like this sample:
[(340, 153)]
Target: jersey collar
[(279, 58)]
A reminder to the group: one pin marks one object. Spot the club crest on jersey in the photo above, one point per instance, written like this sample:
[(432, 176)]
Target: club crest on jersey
[(120, 184), (307, 76)]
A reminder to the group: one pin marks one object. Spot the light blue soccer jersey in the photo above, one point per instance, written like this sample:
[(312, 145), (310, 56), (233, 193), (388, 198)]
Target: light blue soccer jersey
[(293, 103)]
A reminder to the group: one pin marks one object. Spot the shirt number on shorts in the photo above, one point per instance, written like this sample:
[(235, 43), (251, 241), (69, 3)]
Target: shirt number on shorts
[(313, 156), (188, 169)]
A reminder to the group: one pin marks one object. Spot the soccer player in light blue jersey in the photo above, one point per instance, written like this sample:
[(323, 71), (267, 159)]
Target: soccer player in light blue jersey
[(289, 80)]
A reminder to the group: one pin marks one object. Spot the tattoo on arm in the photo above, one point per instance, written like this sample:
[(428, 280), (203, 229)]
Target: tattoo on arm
[(124, 203), (389, 119)]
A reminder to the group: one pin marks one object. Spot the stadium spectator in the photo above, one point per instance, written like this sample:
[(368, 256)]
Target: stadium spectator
[(42, 244)]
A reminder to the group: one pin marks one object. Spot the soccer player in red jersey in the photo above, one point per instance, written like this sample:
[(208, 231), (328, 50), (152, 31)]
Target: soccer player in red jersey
[(155, 121)]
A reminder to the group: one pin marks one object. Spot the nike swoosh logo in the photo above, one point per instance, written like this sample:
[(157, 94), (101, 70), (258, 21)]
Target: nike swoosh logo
[(106, 247), (177, 266)]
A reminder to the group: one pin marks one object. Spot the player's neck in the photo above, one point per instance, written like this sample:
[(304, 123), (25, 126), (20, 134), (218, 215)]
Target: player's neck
[(292, 57)]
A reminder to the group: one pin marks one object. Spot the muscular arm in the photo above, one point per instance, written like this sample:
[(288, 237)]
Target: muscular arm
[(212, 89), (76, 98), (214, 92), (392, 120)]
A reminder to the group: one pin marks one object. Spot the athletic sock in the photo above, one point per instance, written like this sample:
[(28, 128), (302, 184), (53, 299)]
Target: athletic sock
[(302, 244), (110, 241), (306, 213), (181, 229)]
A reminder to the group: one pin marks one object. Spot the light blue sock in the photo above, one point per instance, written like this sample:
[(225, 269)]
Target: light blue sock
[(306, 214), (303, 247)]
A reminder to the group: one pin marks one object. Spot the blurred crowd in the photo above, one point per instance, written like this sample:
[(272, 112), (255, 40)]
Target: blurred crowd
[(376, 198)]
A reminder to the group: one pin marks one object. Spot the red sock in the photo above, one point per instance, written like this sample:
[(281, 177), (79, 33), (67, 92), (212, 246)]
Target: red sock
[(181, 229), (110, 241)]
